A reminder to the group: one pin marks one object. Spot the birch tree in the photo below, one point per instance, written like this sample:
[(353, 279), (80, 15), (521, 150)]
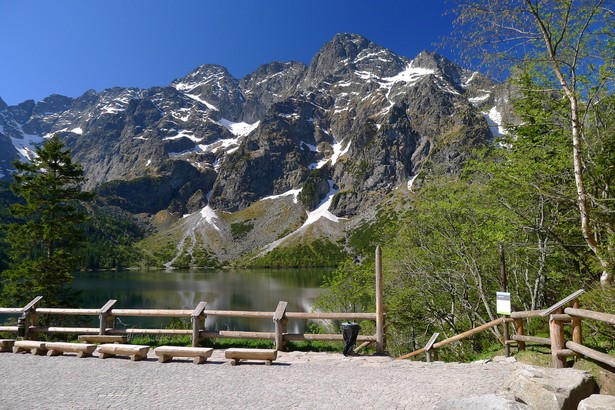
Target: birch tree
[(571, 42)]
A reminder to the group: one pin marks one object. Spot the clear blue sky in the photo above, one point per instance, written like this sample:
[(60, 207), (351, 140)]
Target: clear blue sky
[(70, 46)]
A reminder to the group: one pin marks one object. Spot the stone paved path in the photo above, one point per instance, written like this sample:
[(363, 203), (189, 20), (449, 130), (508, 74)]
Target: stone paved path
[(296, 380)]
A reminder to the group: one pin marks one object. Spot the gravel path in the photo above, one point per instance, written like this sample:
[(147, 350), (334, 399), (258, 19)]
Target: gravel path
[(296, 380)]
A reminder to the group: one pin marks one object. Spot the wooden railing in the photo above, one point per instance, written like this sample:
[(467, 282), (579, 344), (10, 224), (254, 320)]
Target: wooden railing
[(558, 314), (28, 322)]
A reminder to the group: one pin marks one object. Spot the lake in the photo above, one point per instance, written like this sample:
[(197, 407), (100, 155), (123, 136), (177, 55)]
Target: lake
[(224, 289)]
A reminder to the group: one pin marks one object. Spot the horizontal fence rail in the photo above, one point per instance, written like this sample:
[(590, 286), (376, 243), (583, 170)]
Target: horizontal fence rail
[(558, 315), (28, 324)]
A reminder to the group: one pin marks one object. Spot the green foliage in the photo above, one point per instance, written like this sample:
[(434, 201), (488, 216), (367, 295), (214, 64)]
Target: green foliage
[(109, 241), (241, 229), (349, 288), (47, 230), (318, 253)]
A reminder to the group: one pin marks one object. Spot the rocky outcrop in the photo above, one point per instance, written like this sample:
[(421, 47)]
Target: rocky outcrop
[(597, 402), (549, 389)]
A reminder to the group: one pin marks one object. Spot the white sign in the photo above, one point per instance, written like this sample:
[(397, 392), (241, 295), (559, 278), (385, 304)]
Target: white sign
[(502, 304)]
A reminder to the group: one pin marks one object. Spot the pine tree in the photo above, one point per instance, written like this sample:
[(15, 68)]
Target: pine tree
[(49, 188)]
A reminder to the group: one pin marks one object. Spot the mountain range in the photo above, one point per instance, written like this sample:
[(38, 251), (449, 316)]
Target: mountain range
[(288, 157)]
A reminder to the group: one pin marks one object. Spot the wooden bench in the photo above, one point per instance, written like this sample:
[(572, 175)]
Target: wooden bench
[(6, 345), (167, 353), (98, 339), (136, 352), (32, 346), (236, 354), (59, 348)]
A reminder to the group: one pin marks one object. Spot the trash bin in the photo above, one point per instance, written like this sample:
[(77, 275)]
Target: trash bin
[(350, 331)]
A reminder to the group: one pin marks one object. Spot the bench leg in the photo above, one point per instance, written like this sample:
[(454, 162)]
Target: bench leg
[(268, 362), (199, 360), (54, 353), (234, 362), (106, 355), (38, 352), (83, 354), (137, 357), (164, 358)]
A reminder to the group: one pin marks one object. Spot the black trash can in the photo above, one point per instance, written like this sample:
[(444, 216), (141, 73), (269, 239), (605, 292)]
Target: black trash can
[(350, 331)]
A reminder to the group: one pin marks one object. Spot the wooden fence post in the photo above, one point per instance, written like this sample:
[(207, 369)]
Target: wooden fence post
[(429, 346), (105, 318), (575, 323), (519, 329), (198, 322), (29, 315), (379, 304), (280, 320), (556, 331)]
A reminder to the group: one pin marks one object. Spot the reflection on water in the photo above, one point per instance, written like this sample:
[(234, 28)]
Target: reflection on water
[(252, 290)]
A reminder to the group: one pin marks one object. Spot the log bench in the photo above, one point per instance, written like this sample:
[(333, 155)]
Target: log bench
[(59, 348), (136, 352), (167, 353), (6, 345), (32, 346), (103, 339), (236, 354)]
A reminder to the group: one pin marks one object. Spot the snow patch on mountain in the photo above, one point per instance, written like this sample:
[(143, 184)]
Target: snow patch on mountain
[(338, 151), (293, 192), (494, 120), (25, 146), (322, 211), (241, 129)]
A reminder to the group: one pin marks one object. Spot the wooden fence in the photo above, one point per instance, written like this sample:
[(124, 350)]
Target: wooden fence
[(559, 315), (28, 323)]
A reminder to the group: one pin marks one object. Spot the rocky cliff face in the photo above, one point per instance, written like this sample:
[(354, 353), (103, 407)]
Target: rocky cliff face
[(336, 136)]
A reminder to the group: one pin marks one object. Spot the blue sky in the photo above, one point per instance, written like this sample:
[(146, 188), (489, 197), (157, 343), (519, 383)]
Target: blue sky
[(70, 46)]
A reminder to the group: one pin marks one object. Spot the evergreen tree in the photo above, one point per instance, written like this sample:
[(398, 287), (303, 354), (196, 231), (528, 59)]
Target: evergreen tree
[(47, 227)]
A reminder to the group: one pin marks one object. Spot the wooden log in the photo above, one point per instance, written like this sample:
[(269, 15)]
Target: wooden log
[(331, 316), (591, 353), (468, 333), (379, 303), (6, 345), (556, 331), (57, 329), (102, 339), (526, 314), (136, 352), (588, 314), (236, 354), (137, 331), (239, 313), (67, 311), (10, 311), (153, 312), (280, 321), (326, 337), (8, 328), (167, 353), (105, 318), (58, 348), (531, 339), (32, 346), (561, 317), (519, 330), (198, 322), (564, 353), (558, 306), (247, 335)]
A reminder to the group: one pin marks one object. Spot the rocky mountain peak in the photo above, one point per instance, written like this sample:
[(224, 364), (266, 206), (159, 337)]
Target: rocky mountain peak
[(214, 86)]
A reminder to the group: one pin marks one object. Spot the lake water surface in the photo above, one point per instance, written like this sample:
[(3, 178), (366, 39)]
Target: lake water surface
[(224, 289)]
